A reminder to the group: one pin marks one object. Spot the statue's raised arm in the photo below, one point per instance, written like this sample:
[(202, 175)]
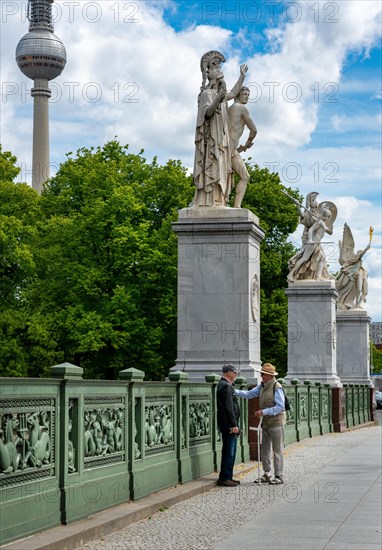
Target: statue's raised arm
[(237, 87)]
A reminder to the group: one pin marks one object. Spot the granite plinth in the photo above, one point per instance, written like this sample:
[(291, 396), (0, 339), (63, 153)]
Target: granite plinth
[(218, 291), (312, 338), (353, 352), (211, 214)]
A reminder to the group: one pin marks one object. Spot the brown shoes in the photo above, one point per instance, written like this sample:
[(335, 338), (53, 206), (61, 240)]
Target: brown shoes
[(227, 483), (237, 481)]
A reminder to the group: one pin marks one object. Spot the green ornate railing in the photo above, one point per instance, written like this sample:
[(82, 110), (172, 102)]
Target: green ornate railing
[(71, 447), (311, 410), (357, 404)]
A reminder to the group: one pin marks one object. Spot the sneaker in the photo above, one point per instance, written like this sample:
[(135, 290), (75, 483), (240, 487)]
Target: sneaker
[(226, 483)]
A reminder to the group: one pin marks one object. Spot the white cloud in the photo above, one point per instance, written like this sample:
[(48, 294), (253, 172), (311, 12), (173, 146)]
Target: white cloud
[(373, 300), (354, 123), (357, 86), (329, 170), (311, 55)]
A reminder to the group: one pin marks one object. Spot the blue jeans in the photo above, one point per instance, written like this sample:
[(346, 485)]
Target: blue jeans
[(228, 454)]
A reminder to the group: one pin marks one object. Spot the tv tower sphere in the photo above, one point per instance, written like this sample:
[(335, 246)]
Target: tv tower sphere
[(41, 56), (40, 53)]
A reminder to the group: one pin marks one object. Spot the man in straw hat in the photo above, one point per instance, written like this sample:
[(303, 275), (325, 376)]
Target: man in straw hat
[(228, 414), (272, 409)]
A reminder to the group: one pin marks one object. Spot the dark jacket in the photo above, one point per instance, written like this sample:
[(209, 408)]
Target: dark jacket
[(228, 412)]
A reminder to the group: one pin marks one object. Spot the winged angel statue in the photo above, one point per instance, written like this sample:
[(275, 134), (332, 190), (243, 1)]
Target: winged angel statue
[(310, 261), (351, 282)]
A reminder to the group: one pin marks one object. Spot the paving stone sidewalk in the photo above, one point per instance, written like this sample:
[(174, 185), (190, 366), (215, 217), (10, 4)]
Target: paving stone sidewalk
[(332, 487)]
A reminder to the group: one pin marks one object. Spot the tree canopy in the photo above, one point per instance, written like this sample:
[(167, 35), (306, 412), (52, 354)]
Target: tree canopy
[(376, 357), (88, 270)]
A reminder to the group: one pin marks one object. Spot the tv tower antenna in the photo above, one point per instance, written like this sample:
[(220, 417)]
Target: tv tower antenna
[(41, 56)]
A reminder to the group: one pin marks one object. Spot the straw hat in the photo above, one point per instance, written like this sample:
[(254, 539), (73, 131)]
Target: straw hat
[(267, 368)]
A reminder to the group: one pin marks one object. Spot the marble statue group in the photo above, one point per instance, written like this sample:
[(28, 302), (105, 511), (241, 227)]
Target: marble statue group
[(310, 261), (218, 132), (351, 282)]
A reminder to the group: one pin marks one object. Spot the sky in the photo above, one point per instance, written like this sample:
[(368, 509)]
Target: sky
[(133, 72)]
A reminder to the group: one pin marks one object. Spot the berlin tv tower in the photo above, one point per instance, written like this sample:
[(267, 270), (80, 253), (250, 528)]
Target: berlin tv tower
[(41, 56)]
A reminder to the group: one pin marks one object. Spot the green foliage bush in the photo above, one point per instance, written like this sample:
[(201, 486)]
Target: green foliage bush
[(376, 355)]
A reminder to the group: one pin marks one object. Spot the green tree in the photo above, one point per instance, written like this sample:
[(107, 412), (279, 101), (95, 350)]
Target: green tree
[(89, 268), (376, 356), (8, 168), (105, 291), (19, 206)]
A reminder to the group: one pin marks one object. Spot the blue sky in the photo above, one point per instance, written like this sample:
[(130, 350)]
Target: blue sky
[(133, 72)]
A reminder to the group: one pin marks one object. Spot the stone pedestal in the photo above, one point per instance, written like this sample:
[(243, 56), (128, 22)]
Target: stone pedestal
[(338, 409), (312, 331), (353, 352), (218, 291)]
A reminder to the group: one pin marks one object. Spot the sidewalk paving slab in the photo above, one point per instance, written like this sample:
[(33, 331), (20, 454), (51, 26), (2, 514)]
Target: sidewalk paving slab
[(342, 514)]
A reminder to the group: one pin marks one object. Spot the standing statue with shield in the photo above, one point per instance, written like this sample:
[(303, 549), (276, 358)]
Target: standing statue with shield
[(309, 263)]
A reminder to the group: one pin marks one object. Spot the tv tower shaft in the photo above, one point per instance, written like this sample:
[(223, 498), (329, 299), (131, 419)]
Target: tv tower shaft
[(41, 56)]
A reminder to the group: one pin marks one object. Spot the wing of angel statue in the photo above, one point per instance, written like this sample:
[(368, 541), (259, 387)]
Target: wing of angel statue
[(346, 245)]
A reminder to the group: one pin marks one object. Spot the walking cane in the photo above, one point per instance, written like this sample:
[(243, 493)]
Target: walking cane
[(258, 430)]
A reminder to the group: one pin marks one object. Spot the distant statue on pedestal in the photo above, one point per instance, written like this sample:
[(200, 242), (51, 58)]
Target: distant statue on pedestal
[(213, 148), (309, 263), (351, 282), (308, 213)]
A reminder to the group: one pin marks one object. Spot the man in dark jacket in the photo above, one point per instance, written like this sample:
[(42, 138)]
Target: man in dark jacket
[(228, 414)]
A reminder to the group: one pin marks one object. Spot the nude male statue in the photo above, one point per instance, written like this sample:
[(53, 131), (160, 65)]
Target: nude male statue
[(239, 118)]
